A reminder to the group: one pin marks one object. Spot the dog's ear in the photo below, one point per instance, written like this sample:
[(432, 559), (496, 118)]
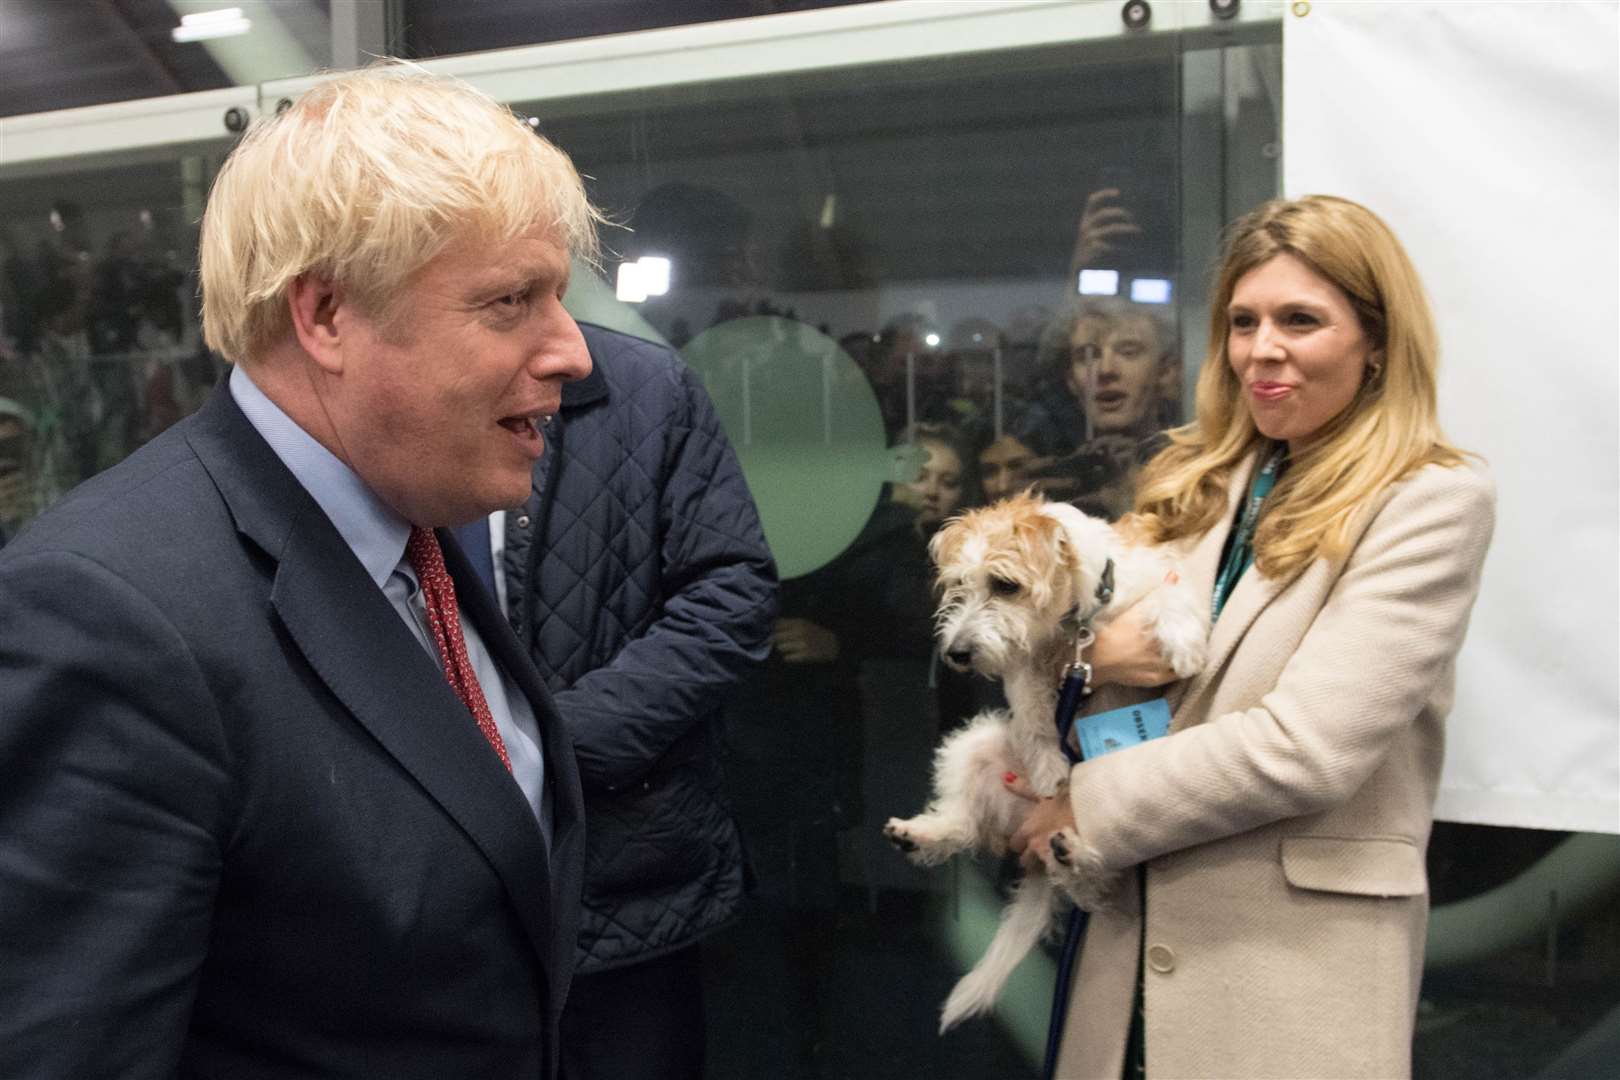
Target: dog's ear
[(1041, 544), (1071, 573)]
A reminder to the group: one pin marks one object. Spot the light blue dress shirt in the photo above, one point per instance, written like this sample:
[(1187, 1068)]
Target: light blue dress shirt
[(377, 535)]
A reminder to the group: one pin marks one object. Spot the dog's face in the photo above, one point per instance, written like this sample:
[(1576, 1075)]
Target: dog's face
[(1008, 575)]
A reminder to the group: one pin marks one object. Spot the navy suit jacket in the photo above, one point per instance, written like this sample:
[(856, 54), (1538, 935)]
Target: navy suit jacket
[(246, 829)]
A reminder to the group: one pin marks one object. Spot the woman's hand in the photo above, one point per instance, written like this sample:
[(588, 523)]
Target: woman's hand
[(800, 641), (1127, 653), (1033, 839)]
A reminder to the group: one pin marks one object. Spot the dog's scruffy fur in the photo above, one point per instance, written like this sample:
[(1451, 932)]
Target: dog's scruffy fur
[(1013, 577)]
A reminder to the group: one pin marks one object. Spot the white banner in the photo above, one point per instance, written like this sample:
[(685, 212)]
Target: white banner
[(1488, 136)]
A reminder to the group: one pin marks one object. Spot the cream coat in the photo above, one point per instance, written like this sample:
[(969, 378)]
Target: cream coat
[(1283, 822)]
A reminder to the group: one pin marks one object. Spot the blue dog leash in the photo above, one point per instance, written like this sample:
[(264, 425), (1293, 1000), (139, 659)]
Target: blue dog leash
[(1074, 691)]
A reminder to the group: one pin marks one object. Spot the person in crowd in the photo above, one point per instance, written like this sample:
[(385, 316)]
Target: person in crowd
[(1118, 362), (1271, 846), (906, 373), (284, 796), (880, 589), (637, 576), (1014, 459), (1005, 464), (16, 492), (67, 403), (1122, 368), (898, 569), (944, 484), (830, 735)]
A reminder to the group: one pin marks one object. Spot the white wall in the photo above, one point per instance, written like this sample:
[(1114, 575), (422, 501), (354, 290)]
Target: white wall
[(1486, 135)]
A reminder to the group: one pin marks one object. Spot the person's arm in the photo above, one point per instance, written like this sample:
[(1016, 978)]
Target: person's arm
[(113, 794), (1362, 673), (720, 589)]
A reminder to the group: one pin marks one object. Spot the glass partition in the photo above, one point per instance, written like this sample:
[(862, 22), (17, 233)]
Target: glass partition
[(910, 288), (99, 341), (910, 284)]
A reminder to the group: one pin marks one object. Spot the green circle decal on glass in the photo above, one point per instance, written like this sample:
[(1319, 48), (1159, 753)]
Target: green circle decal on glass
[(806, 427)]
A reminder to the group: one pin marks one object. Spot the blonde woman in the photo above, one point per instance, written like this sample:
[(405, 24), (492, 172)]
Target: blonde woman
[(1272, 901)]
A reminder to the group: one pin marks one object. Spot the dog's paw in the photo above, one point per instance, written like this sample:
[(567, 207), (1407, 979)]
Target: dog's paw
[(1186, 656), (929, 839), (1182, 629), (899, 834), (1079, 873)]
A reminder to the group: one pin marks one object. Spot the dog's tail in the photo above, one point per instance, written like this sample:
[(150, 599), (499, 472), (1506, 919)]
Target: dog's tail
[(1024, 921)]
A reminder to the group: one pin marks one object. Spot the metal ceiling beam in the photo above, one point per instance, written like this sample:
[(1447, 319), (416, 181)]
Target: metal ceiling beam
[(127, 35)]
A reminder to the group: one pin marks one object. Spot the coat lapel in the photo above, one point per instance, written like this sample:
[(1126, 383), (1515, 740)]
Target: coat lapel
[(1248, 599), (359, 647)]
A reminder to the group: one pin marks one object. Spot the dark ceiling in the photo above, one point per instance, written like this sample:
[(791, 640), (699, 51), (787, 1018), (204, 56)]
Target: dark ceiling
[(61, 54), (967, 168)]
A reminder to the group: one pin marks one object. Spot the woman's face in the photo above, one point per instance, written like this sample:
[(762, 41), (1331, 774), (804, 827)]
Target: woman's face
[(1296, 346), (1004, 467), (938, 488)]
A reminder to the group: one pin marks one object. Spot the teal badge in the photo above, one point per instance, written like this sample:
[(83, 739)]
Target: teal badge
[(1118, 728)]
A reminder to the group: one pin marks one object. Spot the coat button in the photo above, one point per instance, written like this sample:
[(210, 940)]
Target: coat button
[(1161, 959), (523, 521)]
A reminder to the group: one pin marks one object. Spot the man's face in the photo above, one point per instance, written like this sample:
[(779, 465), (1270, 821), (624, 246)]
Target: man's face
[(1004, 467), (1114, 372), (437, 409)]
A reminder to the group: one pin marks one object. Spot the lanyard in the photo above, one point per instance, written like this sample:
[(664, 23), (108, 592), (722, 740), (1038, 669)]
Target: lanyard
[(1241, 552)]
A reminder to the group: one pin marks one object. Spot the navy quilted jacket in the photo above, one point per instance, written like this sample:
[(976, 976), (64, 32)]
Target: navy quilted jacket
[(638, 575)]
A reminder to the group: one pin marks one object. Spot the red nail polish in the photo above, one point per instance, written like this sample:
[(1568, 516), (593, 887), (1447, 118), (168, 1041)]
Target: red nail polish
[(1009, 777)]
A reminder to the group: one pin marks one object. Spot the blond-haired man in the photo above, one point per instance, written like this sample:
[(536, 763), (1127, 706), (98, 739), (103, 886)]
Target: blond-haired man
[(278, 803)]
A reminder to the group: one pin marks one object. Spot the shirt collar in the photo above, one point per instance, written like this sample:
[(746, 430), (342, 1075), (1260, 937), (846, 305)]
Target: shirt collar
[(373, 531)]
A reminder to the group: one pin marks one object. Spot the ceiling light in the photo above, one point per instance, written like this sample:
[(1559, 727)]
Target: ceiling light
[(630, 287), (221, 22), (1099, 283), (1145, 290), (654, 274)]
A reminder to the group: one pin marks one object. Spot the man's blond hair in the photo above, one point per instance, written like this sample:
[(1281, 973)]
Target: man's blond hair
[(363, 181)]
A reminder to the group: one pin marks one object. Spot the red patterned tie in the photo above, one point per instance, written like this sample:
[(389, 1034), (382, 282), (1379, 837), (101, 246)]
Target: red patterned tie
[(422, 549)]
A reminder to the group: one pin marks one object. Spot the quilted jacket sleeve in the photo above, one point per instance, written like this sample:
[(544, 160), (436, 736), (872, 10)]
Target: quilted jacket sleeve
[(719, 587)]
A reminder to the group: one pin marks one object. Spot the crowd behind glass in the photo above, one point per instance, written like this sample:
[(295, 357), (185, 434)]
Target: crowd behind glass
[(100, 351)]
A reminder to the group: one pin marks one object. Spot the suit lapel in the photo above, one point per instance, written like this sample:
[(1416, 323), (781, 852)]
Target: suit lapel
[(1249, 598), (360, 648), (564, 798)]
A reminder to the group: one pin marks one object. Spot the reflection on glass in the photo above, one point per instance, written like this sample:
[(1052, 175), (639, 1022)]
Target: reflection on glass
[(99, 343), (875, 273), (69, 55)]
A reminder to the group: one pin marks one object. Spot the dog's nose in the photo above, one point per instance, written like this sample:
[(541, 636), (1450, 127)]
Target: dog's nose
[(959, 658)]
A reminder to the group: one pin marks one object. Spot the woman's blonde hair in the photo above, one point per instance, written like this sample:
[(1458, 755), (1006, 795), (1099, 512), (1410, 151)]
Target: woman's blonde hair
[(363, 181), (1389, 429)]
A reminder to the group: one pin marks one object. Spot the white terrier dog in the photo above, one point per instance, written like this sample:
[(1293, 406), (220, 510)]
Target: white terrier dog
[(1016, 580)]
